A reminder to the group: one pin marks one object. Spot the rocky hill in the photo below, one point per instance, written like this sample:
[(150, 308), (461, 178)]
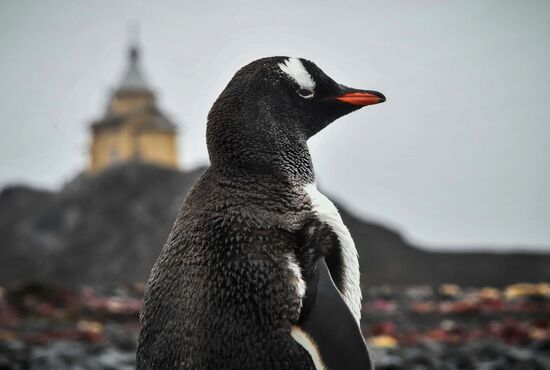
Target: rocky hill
[(110, 228)]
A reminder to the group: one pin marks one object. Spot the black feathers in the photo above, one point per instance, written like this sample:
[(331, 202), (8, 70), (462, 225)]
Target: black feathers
[(228, 286)]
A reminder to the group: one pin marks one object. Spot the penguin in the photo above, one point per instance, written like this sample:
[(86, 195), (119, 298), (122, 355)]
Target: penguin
[(259, 271)]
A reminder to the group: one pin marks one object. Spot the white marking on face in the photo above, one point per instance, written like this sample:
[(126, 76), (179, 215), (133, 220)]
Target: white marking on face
[(298, 281), (325, 210), (309, 345), (294, 69)]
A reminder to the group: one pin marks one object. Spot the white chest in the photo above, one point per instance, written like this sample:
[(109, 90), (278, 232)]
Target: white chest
[(325, 210)]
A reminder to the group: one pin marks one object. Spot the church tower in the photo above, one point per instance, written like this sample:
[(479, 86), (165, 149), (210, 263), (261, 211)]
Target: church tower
[(133, 128)]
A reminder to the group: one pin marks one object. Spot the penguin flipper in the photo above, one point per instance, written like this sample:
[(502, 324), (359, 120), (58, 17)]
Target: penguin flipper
[(327, 329)]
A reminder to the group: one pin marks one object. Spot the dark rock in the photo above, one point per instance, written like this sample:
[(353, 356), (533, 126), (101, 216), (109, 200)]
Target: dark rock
[(110, 227)]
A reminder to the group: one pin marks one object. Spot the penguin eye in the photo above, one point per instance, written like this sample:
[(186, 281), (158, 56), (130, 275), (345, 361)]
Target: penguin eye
[(305, 93)]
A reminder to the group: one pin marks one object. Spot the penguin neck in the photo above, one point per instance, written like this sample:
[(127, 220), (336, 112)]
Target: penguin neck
[(285, 160), (292, 169)]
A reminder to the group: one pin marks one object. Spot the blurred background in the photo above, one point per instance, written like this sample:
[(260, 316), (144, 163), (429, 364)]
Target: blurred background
[(444, 187)]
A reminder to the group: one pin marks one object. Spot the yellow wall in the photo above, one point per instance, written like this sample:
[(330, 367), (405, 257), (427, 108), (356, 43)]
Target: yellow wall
[(112, 146), (157, 147)]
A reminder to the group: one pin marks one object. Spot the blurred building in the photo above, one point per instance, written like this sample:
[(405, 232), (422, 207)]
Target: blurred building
[(133, 128)]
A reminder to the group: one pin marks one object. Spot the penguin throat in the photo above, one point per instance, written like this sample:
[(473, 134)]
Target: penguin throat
[(287, 167), (286, 159)]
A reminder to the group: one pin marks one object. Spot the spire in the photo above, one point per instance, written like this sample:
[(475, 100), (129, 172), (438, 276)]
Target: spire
[(133, 79)]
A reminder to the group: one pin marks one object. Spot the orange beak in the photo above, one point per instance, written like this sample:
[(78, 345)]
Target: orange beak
[(362, 98)]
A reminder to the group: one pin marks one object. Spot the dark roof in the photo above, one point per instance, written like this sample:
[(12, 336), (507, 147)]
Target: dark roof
[(132, 83), (158, 121), (155, 120), (133, 80)]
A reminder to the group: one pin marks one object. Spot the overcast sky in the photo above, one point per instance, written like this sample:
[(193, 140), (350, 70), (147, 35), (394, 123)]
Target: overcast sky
[(457, 156)]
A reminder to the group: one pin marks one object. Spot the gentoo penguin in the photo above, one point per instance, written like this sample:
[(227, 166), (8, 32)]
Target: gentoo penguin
[(259, 272)]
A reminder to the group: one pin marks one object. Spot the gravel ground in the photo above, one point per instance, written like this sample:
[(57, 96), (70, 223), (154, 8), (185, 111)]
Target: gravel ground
[(414, 328)]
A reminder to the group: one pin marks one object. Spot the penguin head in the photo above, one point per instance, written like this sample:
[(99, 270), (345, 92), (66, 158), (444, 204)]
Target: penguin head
[(313, 98), (273, 103)]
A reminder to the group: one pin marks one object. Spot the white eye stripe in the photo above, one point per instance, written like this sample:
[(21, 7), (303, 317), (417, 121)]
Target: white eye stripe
[(294, 68)]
